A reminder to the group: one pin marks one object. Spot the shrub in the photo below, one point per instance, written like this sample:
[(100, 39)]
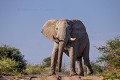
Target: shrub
[(97, 68), (111, 54), (8, 66), (34, 69), (42, 68), (110, 75), (11, 60), (46, 62), (111, 58)]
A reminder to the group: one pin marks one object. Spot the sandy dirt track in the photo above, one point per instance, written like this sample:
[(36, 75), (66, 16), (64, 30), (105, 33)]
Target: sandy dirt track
[(54, 77)]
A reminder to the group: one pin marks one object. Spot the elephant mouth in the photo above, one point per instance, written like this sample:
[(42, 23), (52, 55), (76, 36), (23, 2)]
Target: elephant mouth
[(57, 40)]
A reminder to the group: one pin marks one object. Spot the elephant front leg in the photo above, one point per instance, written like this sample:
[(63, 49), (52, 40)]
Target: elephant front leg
[(54, 58), (72, 55)]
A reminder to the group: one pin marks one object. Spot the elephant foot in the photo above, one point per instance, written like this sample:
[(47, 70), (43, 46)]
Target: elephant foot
[(51, 73), (73, 73)]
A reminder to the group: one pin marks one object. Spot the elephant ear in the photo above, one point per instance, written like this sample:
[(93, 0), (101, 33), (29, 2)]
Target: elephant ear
[(78, 29), (48, 29)]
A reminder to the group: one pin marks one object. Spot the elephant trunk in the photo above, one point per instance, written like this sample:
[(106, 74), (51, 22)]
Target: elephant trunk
[(60, 53)]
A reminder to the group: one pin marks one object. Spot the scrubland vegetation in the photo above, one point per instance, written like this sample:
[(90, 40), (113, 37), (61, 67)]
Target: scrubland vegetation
[(12, 62)]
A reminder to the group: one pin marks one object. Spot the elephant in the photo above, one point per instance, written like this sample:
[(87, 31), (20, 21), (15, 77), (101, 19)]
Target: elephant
[(70, 37)]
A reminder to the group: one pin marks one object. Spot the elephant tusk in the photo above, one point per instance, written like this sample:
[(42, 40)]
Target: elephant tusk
[(72, 39)]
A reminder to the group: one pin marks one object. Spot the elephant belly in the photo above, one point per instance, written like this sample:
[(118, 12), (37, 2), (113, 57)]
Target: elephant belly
[(80, 50)]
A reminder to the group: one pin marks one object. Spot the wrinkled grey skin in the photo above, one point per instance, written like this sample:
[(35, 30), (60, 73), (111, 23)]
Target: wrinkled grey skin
[(70, 37)]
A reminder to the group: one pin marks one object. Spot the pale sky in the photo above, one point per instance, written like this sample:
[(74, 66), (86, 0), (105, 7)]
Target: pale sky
[(21, 22)]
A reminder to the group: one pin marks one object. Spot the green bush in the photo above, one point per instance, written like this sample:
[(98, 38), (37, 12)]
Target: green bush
[(8, 66), (42, 68), (11, 60), (111, 59), (111, 53), (46, 62), (111, 75), (34, 69), (97, 68)]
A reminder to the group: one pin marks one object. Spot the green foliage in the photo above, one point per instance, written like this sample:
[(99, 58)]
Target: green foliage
[(46, 62), (11, 60), (8, 66), (34, 69), (111, 53), (97, 68), (42, 68), (38, 69), (111, 75), (111, 59)]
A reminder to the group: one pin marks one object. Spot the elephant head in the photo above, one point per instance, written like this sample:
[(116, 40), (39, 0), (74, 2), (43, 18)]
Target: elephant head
[(62, 32)]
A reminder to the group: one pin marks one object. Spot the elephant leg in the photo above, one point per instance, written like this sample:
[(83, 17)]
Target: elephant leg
[(80, 66), (72, 61), (87, 61), (54, 58)]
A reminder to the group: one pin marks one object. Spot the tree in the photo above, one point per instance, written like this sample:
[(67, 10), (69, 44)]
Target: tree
[(111, 53), (46, 62), (111, 57), (11, 60)]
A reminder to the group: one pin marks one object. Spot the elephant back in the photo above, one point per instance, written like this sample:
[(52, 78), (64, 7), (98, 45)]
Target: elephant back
[(78, 29)]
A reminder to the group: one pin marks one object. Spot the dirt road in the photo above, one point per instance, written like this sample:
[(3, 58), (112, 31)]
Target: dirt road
[(54, 77), (68, 78)]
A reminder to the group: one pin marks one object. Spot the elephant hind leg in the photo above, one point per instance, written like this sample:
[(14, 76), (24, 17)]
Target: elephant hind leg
[(80, 66), (86, 60)]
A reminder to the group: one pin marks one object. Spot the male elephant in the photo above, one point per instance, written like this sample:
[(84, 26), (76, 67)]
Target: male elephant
[(70, 37)]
